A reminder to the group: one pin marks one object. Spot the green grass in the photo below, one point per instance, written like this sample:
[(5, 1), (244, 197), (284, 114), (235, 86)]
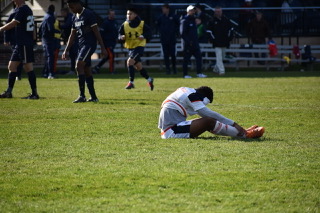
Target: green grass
[(56, 156)]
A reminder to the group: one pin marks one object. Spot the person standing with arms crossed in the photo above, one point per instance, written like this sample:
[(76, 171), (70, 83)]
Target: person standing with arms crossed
[(85, 27), (168, 25), (135, 33), (23, 22)]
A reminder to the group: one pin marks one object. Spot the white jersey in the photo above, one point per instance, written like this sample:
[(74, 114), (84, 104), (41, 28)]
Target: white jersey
[(185, 100)]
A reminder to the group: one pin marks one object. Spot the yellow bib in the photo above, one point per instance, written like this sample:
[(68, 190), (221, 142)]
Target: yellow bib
[(132, 35), (57, 30)]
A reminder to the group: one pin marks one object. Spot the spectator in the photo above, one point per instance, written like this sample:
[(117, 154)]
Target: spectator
[(23, 22), (221, 33), (189, 101), (258, 30), (201, 31), (86, 28), (135, 33), (288, 18), (246, 14), (65, 33), (168, 24), (109, 33), (200, 13), (9, 39), (190, 42), (48, 42)]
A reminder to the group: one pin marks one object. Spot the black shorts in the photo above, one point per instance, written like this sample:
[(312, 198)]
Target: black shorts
[(85, 53), (136, 54), (23, 53)]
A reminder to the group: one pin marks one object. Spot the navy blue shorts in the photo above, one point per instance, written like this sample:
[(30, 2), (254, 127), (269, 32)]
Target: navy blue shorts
[(23, 53), (85, 53), (136, 53)]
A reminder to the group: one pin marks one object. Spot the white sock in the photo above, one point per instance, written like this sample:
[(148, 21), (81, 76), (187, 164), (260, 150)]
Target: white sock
[(224, 129)]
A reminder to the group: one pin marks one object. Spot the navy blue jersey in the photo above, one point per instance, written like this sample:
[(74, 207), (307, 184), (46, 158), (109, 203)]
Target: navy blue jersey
[(24, 30), (83, 24)]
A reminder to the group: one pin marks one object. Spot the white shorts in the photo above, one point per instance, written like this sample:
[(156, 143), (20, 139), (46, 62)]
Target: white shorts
[(180, 130)]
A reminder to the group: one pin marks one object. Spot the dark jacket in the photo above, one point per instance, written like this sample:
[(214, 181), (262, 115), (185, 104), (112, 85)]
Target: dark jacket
[(168, 27), (221, 31), (47, 27), (189, 32), (66, 27), (109, 32), (135, 23), (258, 31)]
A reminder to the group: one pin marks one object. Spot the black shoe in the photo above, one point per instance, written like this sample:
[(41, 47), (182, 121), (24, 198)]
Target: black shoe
[(150, 83), (93, 100), (32, 97), (80, 99), (6, 94)]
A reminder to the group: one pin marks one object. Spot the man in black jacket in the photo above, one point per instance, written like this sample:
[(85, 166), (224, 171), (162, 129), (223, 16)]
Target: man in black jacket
[(220, 30)]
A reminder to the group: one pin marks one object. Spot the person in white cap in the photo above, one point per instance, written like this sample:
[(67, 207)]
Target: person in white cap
[(190, 43)]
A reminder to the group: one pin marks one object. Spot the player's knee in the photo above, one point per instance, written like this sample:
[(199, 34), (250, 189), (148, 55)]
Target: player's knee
[(139, 66), (210, 122), (130, 62)]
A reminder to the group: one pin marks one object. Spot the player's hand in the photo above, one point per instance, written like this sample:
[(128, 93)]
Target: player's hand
[(241, 130), (64, 55), (123, 37), (104, 52), (141, 37), (6, 44)]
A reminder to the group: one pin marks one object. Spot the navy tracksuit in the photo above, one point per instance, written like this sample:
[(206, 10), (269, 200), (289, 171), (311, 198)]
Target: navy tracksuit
[(168, 28), (47, 33), (190, 43)]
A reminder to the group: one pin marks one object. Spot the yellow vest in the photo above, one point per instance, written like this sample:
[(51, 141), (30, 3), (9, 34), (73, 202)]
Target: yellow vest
[(57, 31), (132, 35)]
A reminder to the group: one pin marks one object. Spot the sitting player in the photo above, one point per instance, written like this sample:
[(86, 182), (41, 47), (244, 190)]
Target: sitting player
[(184, 101)]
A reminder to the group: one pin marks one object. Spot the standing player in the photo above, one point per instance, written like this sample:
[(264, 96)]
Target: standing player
[(23, 22), (184, 101), (86, 28), (135, 33)]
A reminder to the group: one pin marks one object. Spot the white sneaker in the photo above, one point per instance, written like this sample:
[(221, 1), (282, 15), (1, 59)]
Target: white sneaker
[(201, 75), (187, 76)]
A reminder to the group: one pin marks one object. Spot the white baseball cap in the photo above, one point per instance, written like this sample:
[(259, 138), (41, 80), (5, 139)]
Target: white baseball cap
[(190, 7)]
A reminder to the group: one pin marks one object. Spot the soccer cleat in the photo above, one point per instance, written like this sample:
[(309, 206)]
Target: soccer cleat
[(129, 86), (6, 94), (201, 75), (93, 100), (255, 133), (32, 97), (150, 83), (80, 99), (251, 128)]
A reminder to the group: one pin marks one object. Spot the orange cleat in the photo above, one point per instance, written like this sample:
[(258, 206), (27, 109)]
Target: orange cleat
[(255, 133), (251, 128)]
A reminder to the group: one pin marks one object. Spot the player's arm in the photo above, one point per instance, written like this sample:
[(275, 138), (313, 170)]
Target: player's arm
[(121, 34), (69, 44), (9, 26), (97, 34)]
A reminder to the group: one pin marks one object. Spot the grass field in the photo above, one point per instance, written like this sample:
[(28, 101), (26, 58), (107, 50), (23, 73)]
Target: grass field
[(56, 156)]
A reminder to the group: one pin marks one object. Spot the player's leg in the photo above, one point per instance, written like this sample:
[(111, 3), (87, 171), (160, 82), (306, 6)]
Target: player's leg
[(12, 67), (144, 74), (219, 68), (131, 72), (186, 59), (97, 68), (199, 126), (111, 59), (80, 66), (198, 57)]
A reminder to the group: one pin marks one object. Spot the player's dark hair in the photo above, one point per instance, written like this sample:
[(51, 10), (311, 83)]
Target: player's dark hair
[(166, 6), (51, 8), (206, 91)]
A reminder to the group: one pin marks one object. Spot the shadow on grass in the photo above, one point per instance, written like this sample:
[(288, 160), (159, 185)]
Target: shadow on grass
[(245, 140)]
